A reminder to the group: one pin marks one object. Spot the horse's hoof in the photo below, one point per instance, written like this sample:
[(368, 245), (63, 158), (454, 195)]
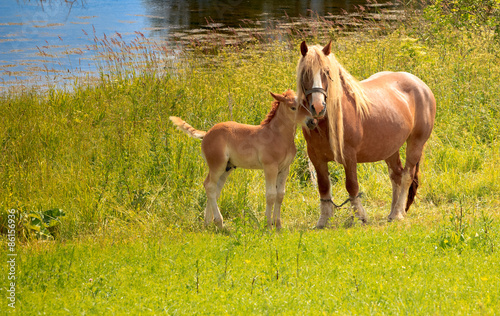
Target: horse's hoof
[(219, 224), (395, 218)]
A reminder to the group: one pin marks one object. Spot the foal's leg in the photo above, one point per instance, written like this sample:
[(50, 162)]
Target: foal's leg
[(352, 187), (280, 194), (325, 194), (395, 173), (212, 189), (271, 174), (222, 181)]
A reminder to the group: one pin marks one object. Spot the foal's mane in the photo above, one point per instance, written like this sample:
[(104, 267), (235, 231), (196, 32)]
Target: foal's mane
[(340, 82), (274, 109)]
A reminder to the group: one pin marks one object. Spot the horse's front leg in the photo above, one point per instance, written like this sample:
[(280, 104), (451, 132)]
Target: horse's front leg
[(352, 187), (271, 174), (325, 194), (280, 194)]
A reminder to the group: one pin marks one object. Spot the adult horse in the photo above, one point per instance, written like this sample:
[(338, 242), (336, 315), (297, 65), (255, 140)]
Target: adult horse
[(356, 122)]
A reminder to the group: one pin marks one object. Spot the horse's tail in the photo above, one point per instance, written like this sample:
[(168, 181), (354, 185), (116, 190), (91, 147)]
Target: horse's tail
[(186, 128), (412, 192)]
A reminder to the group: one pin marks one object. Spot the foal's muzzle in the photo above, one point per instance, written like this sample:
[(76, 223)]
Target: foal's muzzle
[(311, 123)]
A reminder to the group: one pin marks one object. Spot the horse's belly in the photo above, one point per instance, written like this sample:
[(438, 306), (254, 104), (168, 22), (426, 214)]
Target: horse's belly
[(381, 143), (251, 161), (377, 155)]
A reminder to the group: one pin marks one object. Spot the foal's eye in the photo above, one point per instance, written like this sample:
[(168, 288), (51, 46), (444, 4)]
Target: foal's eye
[(293, 108)]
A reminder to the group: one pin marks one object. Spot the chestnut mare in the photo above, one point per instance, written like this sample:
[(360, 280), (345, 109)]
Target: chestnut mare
[(356, 122), (269, 146)]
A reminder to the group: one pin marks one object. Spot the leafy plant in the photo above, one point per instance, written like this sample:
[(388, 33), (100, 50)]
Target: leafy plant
[(455, 233), (43, 224)]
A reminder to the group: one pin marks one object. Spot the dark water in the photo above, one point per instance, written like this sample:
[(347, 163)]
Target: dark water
[(43, 41)]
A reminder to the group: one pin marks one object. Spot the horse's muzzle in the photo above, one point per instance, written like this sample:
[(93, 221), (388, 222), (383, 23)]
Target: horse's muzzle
[(321, 113), (311, 123)]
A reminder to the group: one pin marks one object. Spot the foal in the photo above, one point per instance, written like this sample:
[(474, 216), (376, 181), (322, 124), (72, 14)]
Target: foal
[(269, 146)]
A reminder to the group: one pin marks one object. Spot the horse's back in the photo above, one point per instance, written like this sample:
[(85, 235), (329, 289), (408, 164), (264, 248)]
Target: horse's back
[(402, 82), (401, 107), (406, 87)]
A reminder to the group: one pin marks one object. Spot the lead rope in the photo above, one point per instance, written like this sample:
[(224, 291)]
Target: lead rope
[(345, 202)]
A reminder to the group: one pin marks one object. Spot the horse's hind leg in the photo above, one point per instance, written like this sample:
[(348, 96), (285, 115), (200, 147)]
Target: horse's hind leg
[(212, 189), (414, 150), (395, 173), (222, 181)]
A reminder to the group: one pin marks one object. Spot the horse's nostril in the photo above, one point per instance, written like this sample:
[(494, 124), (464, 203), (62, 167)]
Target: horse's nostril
[(313, 111)]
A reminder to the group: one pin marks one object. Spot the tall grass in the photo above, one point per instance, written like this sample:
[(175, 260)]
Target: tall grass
[(106, 154), (130, 186)]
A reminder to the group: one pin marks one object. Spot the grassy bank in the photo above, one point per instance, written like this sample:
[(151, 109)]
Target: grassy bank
[(107, 155), (130, 188)]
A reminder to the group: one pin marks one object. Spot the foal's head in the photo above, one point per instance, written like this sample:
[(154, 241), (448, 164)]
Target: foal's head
[(291, 108)]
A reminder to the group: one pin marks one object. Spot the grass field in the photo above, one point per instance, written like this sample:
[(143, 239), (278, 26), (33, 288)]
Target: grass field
[(124, 189)]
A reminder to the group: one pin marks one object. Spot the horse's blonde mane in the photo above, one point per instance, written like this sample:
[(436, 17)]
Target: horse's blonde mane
[(340, 82)]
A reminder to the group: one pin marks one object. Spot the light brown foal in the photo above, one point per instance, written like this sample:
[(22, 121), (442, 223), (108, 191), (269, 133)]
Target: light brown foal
[(269, 146)]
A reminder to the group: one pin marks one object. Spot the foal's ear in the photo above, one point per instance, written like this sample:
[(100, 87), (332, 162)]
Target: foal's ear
[(327, 49), (278, 97), (303, 48)]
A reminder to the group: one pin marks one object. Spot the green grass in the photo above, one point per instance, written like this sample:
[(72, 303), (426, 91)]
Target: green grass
[(391, 269), (130, 185)]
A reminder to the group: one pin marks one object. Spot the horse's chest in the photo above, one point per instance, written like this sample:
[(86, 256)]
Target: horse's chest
[(288, 159)]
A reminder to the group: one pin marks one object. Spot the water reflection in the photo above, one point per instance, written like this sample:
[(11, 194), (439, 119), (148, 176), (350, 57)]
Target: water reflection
[(175, 14), (48, 39)]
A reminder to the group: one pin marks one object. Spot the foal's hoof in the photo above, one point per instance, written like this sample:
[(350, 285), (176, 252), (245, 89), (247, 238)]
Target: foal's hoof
[(395, 218), (219, 225)]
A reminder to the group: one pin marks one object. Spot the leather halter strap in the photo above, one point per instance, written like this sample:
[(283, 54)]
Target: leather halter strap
[(311, 91), (314, 90), (345, 202)]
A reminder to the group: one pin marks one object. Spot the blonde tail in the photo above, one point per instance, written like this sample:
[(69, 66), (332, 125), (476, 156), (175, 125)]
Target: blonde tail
[(186, 128)]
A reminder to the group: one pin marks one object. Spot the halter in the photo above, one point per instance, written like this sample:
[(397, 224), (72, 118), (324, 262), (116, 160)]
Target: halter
[(311, 91)]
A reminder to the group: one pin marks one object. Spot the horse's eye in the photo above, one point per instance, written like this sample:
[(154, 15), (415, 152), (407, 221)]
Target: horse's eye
[(293, 108)]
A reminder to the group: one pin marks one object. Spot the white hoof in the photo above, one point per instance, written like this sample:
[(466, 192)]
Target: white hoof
[(397, 217)]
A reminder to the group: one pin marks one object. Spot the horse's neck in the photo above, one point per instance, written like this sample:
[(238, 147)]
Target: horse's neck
[(282, 126)]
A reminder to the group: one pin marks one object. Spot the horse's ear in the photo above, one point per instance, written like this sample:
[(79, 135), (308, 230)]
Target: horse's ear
[(303, 48), (278, 97), (327, 49)]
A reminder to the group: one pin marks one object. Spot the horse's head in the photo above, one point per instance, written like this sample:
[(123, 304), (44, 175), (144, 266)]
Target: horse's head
[(313, 73), (294, 109)]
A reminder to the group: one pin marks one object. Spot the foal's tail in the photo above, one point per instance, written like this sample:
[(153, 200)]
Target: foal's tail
[(412, 192), (186, 128)]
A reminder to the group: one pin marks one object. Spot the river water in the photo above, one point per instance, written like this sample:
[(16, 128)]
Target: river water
[(47, 40)]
